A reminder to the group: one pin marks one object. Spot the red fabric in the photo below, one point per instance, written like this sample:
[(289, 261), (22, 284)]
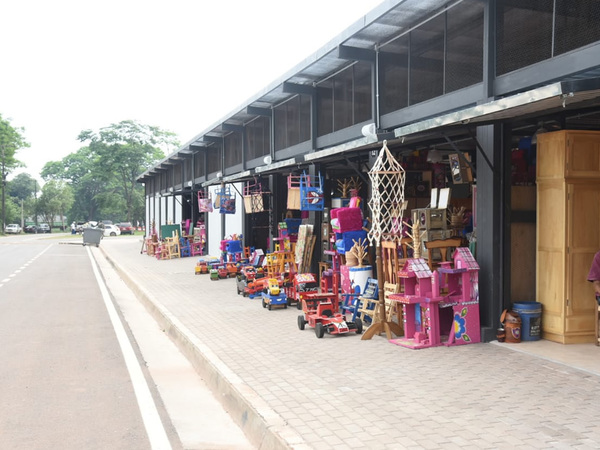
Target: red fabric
[(595, 269)]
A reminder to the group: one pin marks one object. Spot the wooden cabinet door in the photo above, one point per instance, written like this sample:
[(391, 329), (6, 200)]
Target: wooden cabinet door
[(583, 155), (583, 241)]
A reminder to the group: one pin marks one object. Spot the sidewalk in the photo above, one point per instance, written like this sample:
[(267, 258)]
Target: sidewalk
[(288, 389)]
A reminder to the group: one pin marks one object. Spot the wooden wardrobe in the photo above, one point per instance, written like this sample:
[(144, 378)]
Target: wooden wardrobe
[(568, 232)]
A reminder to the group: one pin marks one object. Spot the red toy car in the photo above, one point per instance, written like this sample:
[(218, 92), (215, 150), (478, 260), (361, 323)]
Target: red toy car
[(321, 312), (303, 283)]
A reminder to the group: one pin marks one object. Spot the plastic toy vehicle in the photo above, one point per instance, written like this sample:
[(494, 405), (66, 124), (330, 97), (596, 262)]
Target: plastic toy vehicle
[(302, 284), (255, 287), (232, 269), (273, 295), (246, 275), (323, 317), (214, 274), (223, 272), (201, 267)]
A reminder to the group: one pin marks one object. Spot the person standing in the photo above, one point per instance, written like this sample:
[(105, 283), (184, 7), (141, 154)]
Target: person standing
[(594, 275)]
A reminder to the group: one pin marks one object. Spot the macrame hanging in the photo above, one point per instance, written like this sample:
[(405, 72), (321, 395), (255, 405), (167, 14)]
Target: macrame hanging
[(387, 206), (387, 196)]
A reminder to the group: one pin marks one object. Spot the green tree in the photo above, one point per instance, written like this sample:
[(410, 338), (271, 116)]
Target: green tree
[(84, 173), (21, 190), (11, 141), (55, 201), (125, 150), (22, 186)]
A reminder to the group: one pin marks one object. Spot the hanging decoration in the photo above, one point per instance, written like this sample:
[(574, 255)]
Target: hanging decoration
[(226, 200), (387, 199), (253, 197), (293, 184), (311, 192), (387, 207), (204, 201)]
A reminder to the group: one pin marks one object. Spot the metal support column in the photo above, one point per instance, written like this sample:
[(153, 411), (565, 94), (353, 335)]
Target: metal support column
[(490, 237)]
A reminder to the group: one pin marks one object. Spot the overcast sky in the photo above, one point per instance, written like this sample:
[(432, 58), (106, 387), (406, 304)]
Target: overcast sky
[(181, 65)]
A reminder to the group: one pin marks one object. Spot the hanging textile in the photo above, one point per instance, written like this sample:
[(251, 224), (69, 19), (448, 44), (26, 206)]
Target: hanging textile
[(226, 200), (204, 202)]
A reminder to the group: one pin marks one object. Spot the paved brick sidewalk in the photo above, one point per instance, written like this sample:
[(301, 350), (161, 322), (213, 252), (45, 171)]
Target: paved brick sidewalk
[(288, 389)]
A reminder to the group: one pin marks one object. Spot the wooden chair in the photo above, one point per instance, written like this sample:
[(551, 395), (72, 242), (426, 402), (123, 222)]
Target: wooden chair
[(367, 302), (392, 308), (441, 245), (172, 248), (390, 261)]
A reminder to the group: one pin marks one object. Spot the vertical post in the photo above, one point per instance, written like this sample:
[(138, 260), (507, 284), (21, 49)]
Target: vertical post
[(3, 190)]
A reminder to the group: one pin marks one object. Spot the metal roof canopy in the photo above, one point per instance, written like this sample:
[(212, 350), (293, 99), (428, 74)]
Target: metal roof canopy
[(555, 96), (380, 26)]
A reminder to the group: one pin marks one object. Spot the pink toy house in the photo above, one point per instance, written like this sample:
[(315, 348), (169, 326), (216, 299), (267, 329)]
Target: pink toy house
[(440, 304), (420, 309), (459, 291)]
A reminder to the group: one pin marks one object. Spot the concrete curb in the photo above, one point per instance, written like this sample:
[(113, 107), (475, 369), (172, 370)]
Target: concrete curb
[(264, 427)]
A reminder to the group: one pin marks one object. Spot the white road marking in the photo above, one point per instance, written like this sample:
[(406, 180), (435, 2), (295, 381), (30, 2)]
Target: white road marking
[(154, 427)]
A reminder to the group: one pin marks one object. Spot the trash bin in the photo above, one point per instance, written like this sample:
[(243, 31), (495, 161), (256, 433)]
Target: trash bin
[(92, 236), (531, 320), (512, 326)]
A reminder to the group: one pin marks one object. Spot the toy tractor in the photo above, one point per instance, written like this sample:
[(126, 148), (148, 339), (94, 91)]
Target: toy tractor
[(273, 295), (322, 314)]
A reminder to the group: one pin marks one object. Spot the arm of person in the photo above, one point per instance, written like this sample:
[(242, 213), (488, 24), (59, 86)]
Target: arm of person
[(596, 284)]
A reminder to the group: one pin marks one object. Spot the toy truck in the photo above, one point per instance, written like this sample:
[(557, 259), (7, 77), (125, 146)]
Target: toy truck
[(321, 313), (232, 269), (246, 275), (255, 287), (302, 284), (201, 267), (273, 295)]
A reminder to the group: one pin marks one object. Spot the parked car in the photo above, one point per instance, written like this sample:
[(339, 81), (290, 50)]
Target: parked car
[(125, 227), (12, 228), (106, 222), (111, 230), (43, 228)]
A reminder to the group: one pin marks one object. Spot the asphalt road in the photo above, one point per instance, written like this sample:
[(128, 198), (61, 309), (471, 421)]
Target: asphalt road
[(72, 374)]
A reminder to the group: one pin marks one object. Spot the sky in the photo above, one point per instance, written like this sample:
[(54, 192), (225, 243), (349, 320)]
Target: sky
[(182, 65)]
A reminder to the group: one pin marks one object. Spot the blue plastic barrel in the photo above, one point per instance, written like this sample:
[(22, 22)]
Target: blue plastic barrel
[(531, 320)]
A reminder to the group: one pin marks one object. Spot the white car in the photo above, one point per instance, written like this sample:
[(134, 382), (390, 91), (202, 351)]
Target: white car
[(12, 228), (111, 230)]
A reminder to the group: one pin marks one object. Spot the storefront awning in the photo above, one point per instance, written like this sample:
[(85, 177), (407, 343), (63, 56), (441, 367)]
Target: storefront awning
[(559, 95)]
